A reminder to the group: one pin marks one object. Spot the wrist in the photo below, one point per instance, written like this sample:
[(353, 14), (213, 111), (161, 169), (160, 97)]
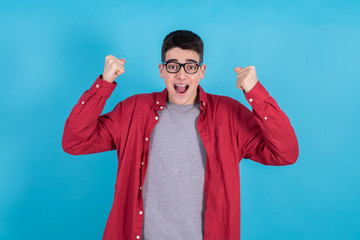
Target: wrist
[(105, 79), (249, 87)]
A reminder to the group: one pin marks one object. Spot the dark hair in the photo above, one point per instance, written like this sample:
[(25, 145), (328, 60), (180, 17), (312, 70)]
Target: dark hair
[(183, 39)]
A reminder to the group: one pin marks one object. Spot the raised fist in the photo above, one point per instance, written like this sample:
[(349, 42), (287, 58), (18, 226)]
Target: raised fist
[(246, 78), (113, 68)]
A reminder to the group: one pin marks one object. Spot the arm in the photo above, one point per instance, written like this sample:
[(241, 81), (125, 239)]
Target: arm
[(85, 130), (268, 136)]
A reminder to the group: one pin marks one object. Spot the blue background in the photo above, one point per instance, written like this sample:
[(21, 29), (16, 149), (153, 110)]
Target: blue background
[(306, 54)]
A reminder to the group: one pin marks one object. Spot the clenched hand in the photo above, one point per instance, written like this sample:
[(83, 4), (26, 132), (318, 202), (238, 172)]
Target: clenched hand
[(246, 78), (113, 68)]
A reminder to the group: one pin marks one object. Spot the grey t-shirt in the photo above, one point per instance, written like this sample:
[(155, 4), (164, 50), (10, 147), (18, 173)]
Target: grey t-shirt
[(173, 191)]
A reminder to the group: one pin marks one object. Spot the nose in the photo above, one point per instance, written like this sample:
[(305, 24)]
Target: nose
[(181, 74)]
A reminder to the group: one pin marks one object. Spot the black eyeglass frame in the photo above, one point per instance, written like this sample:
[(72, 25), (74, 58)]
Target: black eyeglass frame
[(182, 65)]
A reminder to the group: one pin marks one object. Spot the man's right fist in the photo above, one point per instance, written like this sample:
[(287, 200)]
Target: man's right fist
[(113, 68)]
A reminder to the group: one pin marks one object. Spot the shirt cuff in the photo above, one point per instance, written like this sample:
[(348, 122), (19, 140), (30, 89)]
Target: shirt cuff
[(102, 88), (257, 95)]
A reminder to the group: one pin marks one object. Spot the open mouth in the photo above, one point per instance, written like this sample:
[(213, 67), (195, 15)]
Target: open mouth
[(181, 88)]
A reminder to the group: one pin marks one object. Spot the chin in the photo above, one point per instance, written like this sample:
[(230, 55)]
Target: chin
[(178, 101)]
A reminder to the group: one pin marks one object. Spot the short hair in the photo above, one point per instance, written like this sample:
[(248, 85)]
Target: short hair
[(183, 39)]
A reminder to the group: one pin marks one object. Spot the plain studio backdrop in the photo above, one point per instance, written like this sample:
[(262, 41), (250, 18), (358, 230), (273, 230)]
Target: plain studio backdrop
[(306, 54)]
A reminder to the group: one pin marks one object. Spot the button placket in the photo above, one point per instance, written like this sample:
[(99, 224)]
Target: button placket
[(142, 163)]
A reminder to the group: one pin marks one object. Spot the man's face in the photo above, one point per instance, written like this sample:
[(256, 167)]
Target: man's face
[(182, 86)]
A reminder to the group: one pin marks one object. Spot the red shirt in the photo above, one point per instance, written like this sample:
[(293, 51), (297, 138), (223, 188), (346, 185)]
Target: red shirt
[(229, 131)]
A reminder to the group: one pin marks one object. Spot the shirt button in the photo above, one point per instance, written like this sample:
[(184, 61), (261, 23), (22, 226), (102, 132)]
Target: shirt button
[(82, 102), (250, 100), (161, 107), (265, 118), (140, 188), (97, 85), (157, 102), (203, 104), (142, 163), (146, 139), (141, 212), (156, 118), (137, 237)]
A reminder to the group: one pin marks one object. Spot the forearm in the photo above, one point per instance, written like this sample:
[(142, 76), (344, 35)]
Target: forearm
[(85, 130), (275, 142)]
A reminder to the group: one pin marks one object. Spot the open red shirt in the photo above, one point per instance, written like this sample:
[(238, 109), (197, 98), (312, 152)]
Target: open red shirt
[(229, 131)]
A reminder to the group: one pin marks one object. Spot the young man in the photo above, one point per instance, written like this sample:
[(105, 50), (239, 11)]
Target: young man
[(179, 150)]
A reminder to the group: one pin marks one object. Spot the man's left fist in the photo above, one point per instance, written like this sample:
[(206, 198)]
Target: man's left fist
[(246, 78)]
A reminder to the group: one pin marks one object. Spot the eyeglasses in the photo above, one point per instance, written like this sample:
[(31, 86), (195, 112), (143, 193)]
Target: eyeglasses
[(174, 67)]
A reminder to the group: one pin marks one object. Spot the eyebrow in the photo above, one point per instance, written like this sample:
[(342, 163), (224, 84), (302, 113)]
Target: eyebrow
[(187, 60)]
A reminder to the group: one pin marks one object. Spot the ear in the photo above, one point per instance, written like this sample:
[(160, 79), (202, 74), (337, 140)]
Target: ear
[(161, 69), (202, 71)]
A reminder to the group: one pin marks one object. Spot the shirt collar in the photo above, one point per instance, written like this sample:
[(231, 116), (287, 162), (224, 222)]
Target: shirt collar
[(161, 97)]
